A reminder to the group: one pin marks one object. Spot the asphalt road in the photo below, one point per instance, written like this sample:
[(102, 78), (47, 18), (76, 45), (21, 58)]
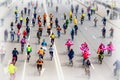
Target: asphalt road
[(59, 68)]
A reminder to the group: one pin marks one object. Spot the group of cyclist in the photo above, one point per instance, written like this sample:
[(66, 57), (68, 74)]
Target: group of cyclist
[(37, 19)]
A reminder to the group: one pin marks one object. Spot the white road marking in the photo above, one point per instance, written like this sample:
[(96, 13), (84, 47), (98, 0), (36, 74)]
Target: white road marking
[(24, 68), (42, 71), (92, 66), (56, 58), (5, 68), (93, 37)]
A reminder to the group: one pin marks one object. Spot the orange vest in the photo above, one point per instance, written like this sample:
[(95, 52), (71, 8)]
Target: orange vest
[(41, 52)]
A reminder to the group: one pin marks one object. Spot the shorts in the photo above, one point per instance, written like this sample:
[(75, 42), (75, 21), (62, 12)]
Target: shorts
[(39, 66)]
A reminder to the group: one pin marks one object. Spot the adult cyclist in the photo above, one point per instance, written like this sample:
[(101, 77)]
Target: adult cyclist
[(29, 50)]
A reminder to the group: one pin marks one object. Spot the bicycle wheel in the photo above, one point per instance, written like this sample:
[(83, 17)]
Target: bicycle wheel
[(118, 74)]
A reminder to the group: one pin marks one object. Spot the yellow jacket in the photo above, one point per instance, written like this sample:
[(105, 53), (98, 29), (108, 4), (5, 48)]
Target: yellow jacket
[(75, 21), (70, 13), (11, 68)]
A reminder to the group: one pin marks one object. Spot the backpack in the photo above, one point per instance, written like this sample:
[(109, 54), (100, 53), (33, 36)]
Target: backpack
[(38, 34), (52, 36), (88, 62), (23, 41)]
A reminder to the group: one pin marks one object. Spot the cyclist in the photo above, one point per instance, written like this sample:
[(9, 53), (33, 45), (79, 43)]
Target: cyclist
[(75, 21), (27, 21), (85, 56), (44, 18), (89, 16), (23, 42), (33, 22), (100, 55), (44, 44), (29, 50), (70, 16), (51, 16), (72, 34), (69, 43), (21, 20), (111, 31), (52, 36), (117, 67), (65, 16), (41, 53), (48, 29), (56, 22), (67, 23), (51, 23), (104, 21), (64, 28), (28, 31), (18, 35), (110, 48), (82, 19), (14, 57), (24, 33), (76, 29), (12, 69), (39, 24), (103, 32), (71, 56), (58, 31), (39, 34), (39, 63), (12, 34), (87, 65), (51, 52)]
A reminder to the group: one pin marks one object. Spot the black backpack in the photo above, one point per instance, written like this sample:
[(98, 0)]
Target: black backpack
[(88, 62), (38, 34)]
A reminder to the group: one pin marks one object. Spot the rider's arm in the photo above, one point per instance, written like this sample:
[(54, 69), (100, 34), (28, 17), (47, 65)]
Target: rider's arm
[(114, 63)]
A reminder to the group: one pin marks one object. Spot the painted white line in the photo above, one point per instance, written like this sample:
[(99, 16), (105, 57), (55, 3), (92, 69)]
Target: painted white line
[(58, 65), (6, 68), (92, 66), (24, 68), (93, 37), (56, 57), (42, 71)]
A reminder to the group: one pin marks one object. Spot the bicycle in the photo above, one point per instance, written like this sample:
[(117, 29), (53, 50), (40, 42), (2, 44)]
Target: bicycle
[(52, 41), (22, 48), (87, 71), (87, 65), (28, 58), (117, 74), (51, 55), (100, 58)]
